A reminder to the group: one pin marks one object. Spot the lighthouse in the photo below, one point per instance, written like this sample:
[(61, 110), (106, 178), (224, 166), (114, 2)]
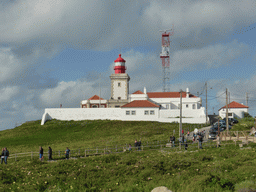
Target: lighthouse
[(119, 84)]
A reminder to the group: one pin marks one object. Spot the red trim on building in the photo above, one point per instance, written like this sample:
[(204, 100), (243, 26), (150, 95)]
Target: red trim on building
[(140, 103), (168, 95), (138, 92), (234, 104)]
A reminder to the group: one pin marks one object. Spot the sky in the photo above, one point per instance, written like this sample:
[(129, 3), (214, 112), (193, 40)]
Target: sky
[(56, 52)]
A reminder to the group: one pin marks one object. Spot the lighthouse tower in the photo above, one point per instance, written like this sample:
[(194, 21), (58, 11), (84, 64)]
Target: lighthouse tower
[(119, 84)]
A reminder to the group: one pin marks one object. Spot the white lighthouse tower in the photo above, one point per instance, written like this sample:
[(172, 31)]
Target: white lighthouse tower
[(119, 84)]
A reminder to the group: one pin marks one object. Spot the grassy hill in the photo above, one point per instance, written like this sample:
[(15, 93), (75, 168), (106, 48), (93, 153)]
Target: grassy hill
[(212, 169), (85, 134)]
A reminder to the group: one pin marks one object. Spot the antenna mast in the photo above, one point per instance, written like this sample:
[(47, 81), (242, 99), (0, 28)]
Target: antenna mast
[(165, 57)]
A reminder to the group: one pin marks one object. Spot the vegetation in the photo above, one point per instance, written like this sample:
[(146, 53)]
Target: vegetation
[(244, 124), (211, 169), (85, 134)]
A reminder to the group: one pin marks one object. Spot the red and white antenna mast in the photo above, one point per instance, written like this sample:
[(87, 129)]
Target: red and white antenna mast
[(165, 57)]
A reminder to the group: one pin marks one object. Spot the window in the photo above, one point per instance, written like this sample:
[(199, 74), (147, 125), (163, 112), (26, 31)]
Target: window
[(119, 84), (127, 112), (186, 105), (146, 113), (194, 106), (152, 112), (133, 112), (119, 98)]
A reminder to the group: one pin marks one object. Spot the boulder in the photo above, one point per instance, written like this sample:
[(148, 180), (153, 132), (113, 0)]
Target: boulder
[(161, 189)]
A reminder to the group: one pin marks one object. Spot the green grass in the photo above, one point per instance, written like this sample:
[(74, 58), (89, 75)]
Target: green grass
[(244, 124), (212, 169), (222, 169), (85, 134)]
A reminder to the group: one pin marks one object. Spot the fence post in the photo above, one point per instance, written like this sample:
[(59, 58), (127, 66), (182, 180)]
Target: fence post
[(85, 153)]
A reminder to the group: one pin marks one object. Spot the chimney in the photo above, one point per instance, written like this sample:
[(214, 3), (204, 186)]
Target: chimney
[(187, 93), (145, 91)]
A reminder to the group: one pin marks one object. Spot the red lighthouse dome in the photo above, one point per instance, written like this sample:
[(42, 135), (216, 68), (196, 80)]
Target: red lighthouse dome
[(120, 65)]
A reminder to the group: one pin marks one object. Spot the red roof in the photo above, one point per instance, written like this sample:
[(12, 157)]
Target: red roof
[(234, 104), (138, 92), (167, 94), (96, 97), (119, 59), (140, 103)]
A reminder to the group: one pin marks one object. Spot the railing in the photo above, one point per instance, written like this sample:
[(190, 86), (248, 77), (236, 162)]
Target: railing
[(157, 145)]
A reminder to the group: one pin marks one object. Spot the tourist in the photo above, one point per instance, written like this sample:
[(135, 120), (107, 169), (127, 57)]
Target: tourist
[(200, 139), (41, 153), (130, 147), (185, 144), (2, 156), (67, 153), (50, 153), (135, 144), (139, 144), (5, 155)]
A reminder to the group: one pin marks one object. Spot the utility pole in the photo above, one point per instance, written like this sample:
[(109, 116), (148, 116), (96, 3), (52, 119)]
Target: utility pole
[(247, 99), (227, 125), (206, 104), (180, 129)]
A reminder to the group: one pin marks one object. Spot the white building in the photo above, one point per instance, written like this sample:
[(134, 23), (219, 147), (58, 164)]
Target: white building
[(234, 110), (139, 106)]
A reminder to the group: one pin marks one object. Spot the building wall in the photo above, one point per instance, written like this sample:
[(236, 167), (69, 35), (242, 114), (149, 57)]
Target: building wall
[(236, 112), (120, 91), (67, 114), (196, 113)]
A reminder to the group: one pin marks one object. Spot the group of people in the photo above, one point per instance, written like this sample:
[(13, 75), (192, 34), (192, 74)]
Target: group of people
[(41, 153), (183, 140), (4, 155), (137, 145)]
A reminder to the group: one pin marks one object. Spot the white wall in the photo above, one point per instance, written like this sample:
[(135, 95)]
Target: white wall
[(195, 113), (111, 114), (237, 112)]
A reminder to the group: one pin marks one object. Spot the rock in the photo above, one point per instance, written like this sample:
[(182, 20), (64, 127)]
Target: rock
[(161, 189)]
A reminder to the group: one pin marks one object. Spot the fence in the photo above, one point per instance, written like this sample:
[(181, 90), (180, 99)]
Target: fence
[(157, 145)]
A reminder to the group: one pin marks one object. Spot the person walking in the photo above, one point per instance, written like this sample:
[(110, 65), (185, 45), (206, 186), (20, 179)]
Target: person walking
[(6, 155), (139, 145), (41, 153), (200, 139), (130, 147), (50, 153), (2, 156), (136, 144), (67, 153), (185, 144)]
